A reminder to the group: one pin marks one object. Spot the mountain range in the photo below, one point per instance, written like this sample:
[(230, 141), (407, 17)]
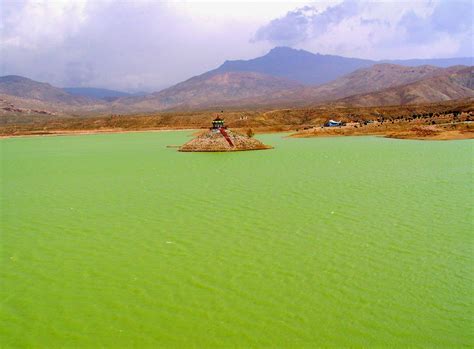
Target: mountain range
[(26, 88), (452, 83), (315, 69), (97, 93), (284, 77)]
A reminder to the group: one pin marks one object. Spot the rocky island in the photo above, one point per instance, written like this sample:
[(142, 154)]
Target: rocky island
[(220, 139)]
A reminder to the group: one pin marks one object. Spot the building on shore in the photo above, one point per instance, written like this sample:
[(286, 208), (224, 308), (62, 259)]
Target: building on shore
[(332, 123)]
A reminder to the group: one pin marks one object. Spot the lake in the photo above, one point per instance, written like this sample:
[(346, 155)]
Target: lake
[(117, 241)]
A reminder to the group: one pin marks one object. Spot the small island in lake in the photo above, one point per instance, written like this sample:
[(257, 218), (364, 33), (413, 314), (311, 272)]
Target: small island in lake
[(220, 139)]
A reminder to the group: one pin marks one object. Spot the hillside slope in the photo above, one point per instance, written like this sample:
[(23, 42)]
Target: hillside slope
[(366, 80), (299, 65), (378, 84), (211, 90), (315, 69), (22, 87), (456, 83)]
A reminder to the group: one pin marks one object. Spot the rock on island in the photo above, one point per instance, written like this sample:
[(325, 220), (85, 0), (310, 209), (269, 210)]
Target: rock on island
[(220, 139)]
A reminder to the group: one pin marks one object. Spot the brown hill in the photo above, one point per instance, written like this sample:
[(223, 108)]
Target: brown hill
[(11, 106), (375, 78), (248, 89), (20, 95), (454, 83), (14, 105), (315, 69), (210, 91), (366, 80), (29, 89), (381, 84)]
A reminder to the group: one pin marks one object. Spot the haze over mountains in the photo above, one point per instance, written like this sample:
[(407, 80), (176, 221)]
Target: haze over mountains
[(26, 88), (22, 95), (314, 69), (284, 77), (98, 93)]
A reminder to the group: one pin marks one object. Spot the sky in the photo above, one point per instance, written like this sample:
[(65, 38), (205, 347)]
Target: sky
[(144, 45)]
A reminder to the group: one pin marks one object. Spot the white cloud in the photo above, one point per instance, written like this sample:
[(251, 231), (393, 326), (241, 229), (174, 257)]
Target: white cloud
[(377, 29), (243, 10), (40, 23), (126, 45), (147, 44)]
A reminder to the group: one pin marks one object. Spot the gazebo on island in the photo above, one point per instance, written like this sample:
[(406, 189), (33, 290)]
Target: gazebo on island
[(220, 139), (217, 124)]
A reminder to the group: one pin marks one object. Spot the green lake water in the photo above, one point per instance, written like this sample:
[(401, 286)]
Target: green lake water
[(118, 241)]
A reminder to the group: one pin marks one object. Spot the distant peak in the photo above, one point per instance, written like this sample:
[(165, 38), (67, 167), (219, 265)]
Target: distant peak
[(283, 49), (289, 51), (14, 78)]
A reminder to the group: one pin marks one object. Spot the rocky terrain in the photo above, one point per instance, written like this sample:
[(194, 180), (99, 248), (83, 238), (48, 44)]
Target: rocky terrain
[(22, 87), (367, 80), (212, 141), (7, 107), (454, 83), (391, 119), (26, 95), (284, 78), (254, 90), (209, 90)]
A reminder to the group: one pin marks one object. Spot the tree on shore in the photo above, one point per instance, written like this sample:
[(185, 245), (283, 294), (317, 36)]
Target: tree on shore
[(250, 133)]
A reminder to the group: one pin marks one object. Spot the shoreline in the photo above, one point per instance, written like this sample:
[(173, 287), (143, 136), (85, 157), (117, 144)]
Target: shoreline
[(448, 136), (442, 135), (389, 121), (416, 132), (53, 133), (90, 132), (458, 131)]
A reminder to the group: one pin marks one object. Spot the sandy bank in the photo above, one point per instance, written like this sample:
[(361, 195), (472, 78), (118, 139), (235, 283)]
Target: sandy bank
[(444, 135), (452, 131), (89, 132)]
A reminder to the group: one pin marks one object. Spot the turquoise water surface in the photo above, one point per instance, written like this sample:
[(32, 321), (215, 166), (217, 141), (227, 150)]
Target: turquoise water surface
[(117, 241)]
